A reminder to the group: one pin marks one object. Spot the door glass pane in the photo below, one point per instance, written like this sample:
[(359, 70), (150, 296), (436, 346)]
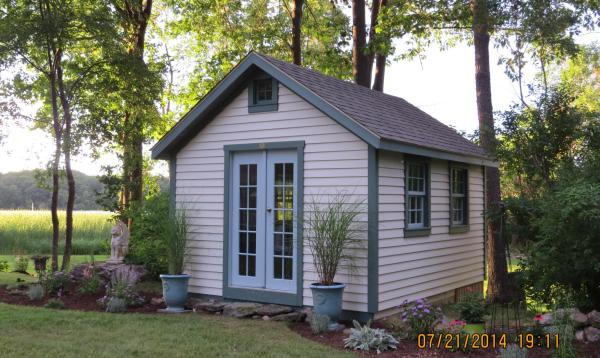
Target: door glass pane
[(247, 221), (283, 221)]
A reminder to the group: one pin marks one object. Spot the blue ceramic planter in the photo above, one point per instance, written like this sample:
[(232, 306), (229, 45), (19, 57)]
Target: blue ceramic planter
[(327, 300), (175, 291)]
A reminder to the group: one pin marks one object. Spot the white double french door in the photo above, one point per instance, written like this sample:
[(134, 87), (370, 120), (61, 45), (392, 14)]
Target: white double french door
[(263, 219)]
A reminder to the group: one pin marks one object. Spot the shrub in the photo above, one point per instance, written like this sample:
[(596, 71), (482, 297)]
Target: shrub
[(566, 257), (420, 316), (471, 307), (366, 338), (147, 244), (513, 351), (90, 283), (55, 303), (55, 281), (21, 264), (3, 266), (36, 292), (116, 305), (332, 230), (319, 323)]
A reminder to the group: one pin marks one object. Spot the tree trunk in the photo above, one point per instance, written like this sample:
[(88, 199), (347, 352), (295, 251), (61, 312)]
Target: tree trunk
[(497, 272), (360, 58), (374, 18), (297, 32), (64, 100), (379, 72)]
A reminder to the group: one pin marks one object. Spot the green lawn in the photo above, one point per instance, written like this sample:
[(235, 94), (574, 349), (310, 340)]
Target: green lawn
[(39, 332)]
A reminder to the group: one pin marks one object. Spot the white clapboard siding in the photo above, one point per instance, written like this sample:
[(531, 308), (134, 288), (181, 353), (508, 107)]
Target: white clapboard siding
[(417, 267), (334, 160)]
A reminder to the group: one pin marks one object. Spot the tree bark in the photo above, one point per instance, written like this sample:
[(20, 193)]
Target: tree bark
[(360, 58), (297, 32), (497, 271), (379, 72), (67, 148)]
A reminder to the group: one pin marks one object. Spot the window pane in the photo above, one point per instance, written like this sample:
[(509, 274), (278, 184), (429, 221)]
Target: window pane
[(277, 267), (252, 220), (251, 265), (243, 246), (289, 174), (243, 174), (278, 197), (252, 197), (278, 244), (288, 245), (252, 174), (242, 265), (243, 220), (288, 268), (279, 173), (243, 198), (252, 242), (289, 198)]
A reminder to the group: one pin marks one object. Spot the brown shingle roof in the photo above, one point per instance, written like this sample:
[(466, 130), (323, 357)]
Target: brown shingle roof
[(389, 117)]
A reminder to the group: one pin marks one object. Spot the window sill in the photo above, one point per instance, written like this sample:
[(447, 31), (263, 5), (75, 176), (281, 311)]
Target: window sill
[(459, 229), (417, 232), (262, 108)]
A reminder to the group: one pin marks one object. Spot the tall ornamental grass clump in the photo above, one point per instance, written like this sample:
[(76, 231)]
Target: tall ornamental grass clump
[(175, 237), (30, 232), (333, 230)]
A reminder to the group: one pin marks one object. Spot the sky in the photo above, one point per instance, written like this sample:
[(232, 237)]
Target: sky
[(442, 84)]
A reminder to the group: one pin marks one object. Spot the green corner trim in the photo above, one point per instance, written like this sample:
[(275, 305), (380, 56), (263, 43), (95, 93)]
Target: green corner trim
[(459, 229), (373, 231), (173, 182), (253, 294), (417, 232)]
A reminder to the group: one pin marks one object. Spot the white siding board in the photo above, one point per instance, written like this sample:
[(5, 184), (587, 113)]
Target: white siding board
[(335, 160), (416, 267)]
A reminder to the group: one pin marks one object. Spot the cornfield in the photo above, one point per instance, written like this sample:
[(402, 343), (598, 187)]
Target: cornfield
[(30, 232)]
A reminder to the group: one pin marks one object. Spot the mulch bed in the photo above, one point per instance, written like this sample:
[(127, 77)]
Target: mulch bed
[(408, 348), (75, 301)]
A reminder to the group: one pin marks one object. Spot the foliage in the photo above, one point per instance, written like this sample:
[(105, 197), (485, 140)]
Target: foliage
[(36, 292), (122, 285), (471, 307), (366, 338), (116, 305), (21, 264), (55, 282), (563, 327), (319, 323), (176, 235), (28, 232), (566, 257), (513, 350), (147, 244), (420, 316), (55, 303), (90, 283), (333, 230), (3, 265)]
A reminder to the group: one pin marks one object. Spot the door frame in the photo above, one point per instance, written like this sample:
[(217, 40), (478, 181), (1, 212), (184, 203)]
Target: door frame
[(261, 294)]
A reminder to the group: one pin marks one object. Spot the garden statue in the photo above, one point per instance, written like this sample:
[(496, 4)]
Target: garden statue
[(119, 244)]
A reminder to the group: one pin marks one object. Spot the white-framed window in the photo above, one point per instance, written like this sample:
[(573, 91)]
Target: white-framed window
[(417, 195), (459, 195)]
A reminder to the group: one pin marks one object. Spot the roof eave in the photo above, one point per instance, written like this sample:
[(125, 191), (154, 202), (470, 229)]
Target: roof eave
[(394, 146)]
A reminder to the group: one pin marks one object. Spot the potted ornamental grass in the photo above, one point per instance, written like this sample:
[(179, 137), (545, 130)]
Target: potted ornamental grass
[(333, 231), (175, 283)]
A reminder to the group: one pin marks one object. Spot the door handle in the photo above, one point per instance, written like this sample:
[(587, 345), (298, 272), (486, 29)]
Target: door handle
[(269, 210)]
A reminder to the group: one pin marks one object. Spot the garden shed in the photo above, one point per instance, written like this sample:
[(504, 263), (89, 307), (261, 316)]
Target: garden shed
[(269, 137)]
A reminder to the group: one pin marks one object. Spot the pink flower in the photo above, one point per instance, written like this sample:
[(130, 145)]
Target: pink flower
[(538, 317)]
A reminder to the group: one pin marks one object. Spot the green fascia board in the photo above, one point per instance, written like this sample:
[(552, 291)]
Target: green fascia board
[(262, 295), (393, 146), (373, 232)]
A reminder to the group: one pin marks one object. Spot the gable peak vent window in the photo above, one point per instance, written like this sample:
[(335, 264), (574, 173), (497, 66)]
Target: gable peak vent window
[(263, 95)]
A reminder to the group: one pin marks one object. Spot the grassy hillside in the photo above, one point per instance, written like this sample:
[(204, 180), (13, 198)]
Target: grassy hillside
[(30, 232)]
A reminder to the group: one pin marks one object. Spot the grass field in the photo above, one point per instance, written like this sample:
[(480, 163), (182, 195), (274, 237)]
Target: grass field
[(30, 232), (40, 332), (9, 278)]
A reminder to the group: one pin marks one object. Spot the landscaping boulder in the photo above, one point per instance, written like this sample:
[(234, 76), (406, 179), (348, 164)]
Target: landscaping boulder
[(105, 270), (546, 319), (594, 319), (579, 336), (211, 306), (157, 301), (592, 334), (273, 310), (241, 309), (579, 319), (290, 317)]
